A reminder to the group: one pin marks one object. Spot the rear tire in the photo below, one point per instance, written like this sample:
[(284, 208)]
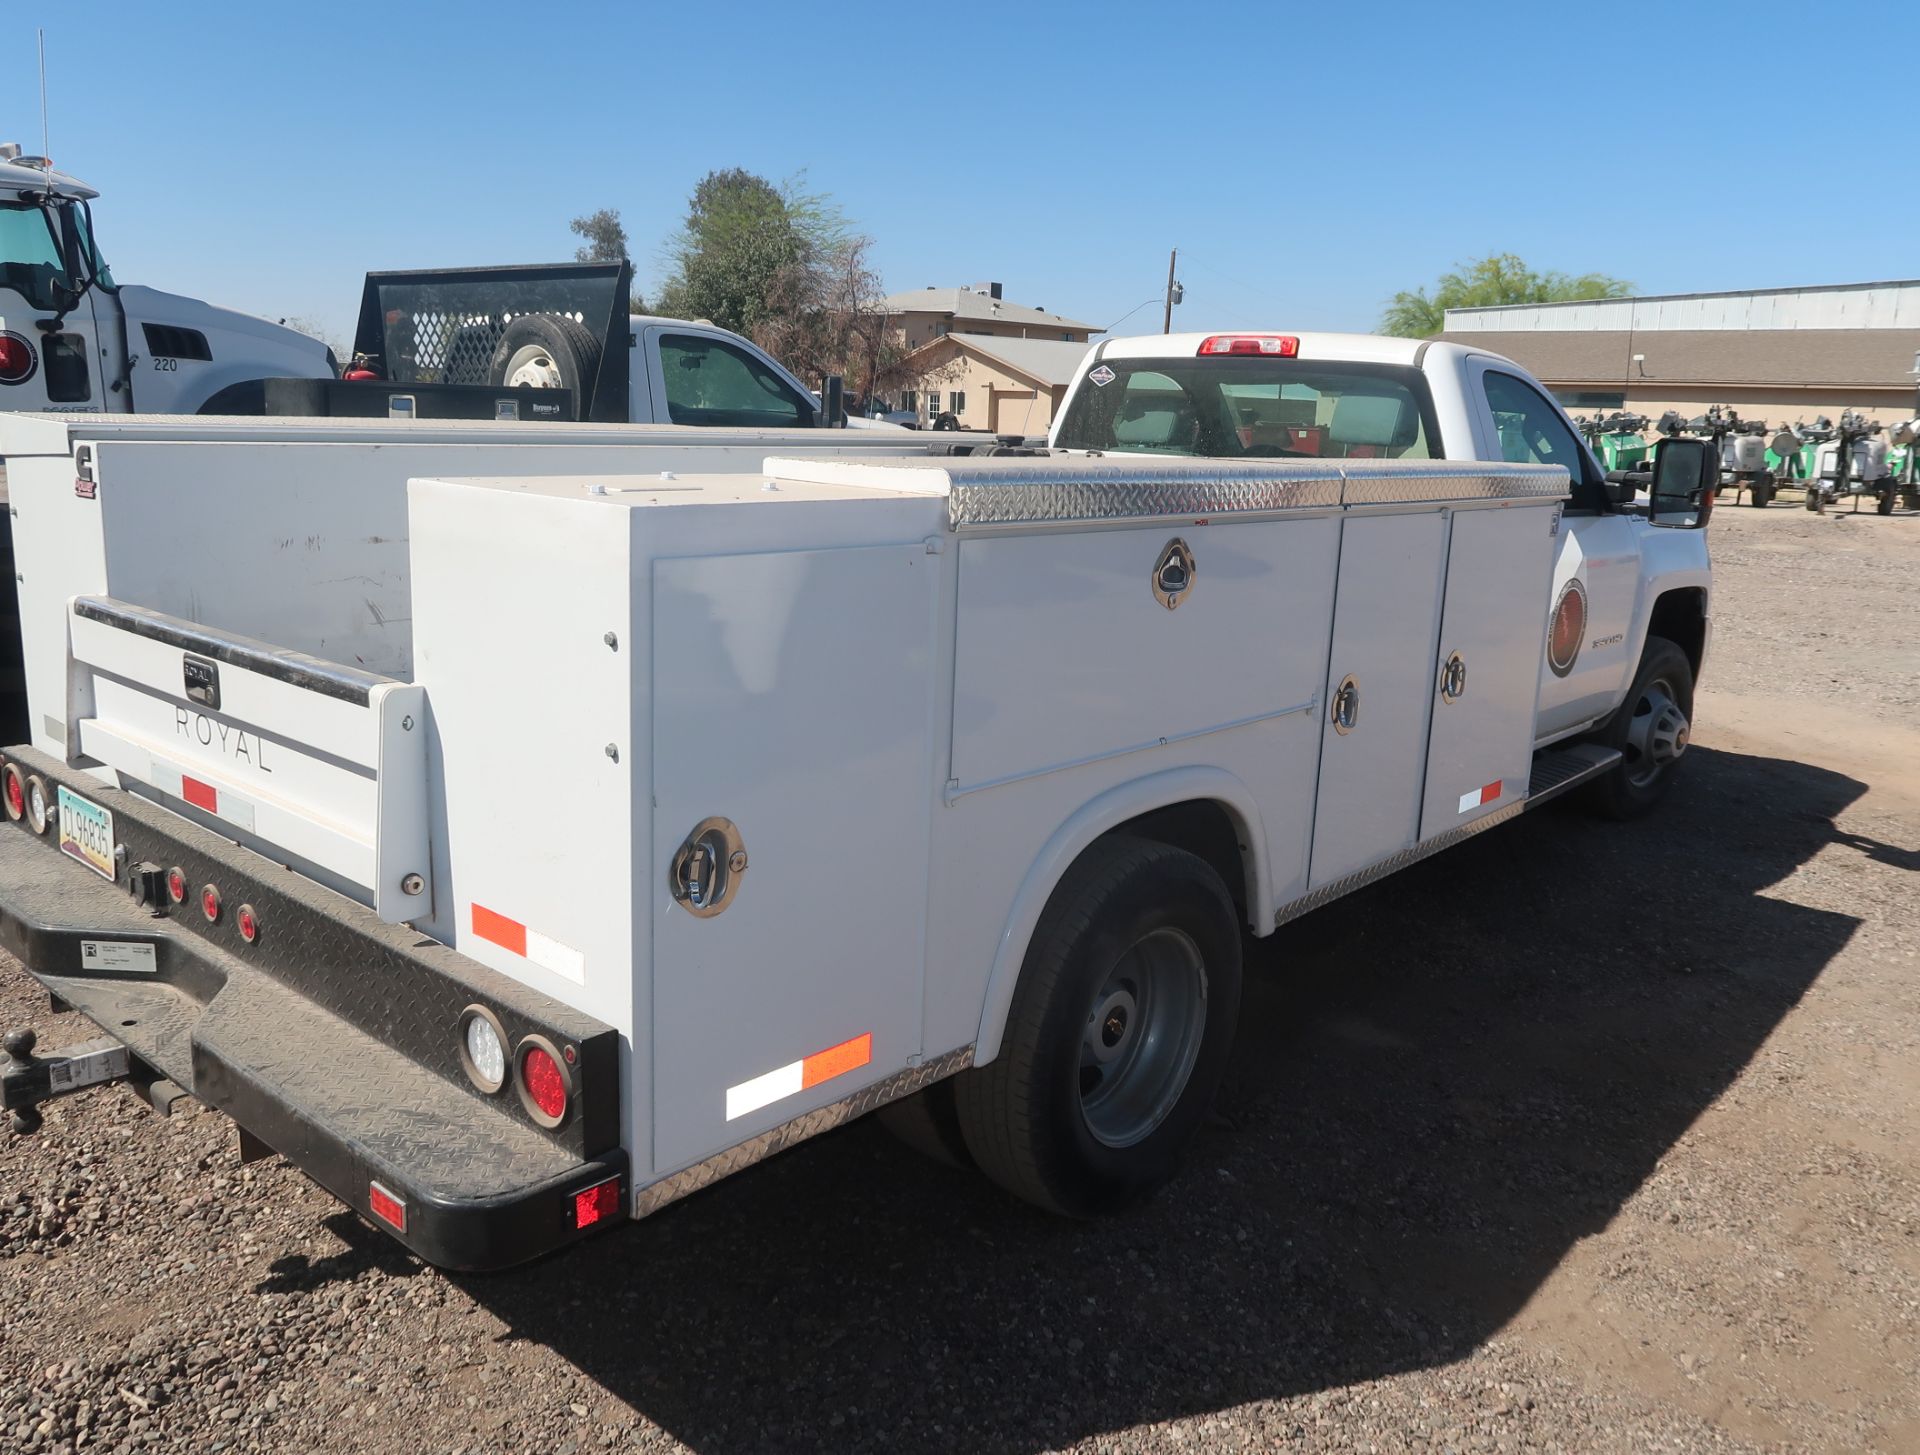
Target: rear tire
[(1647, 733), (928, 1123), (1884, 505), (1118, 1035), (547, 351), (1762, 495)]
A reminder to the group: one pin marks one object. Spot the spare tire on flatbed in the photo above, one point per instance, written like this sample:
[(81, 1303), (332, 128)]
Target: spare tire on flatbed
[(547, 351)]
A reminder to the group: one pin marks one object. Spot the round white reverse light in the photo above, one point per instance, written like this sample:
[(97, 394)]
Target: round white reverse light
[(37, 811), (483, 1050)]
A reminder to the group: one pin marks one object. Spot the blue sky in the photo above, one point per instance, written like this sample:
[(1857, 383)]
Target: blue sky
[(1307, 159)]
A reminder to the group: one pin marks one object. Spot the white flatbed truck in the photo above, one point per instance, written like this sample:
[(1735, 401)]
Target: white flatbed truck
[(682, 815)]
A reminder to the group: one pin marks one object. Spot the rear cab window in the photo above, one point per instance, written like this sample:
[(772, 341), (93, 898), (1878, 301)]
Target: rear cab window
[(1253, 408)]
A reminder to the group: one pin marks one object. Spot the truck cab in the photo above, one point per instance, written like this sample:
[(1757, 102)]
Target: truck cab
[(1621, 574), (74, 340)]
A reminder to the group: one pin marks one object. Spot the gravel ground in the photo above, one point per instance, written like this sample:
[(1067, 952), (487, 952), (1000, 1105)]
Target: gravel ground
[(1581, 1137)]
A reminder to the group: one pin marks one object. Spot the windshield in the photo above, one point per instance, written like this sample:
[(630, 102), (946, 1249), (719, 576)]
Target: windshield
[(31, 255), (30, 262), (1250, 408)]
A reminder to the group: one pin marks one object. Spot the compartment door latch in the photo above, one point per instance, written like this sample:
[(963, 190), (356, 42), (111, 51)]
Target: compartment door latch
[(707, 867)]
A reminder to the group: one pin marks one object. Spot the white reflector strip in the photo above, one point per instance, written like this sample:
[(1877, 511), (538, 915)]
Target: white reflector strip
[(550, 954), (765, 1090)]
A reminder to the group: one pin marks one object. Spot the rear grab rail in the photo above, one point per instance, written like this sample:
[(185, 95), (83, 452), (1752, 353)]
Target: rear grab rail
[(289, 753)]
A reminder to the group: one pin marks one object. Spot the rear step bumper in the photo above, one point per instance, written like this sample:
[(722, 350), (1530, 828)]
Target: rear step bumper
[(332, 1039)]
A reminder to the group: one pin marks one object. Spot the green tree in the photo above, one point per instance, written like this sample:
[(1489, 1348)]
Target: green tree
[(605, 234), (747, 249), (1499, 278)]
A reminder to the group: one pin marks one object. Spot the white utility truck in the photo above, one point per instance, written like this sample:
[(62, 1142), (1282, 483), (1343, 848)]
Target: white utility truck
[(517, 852)]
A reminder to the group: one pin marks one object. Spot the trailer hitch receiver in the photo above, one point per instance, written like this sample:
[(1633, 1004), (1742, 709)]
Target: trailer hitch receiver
[(27, 1080)]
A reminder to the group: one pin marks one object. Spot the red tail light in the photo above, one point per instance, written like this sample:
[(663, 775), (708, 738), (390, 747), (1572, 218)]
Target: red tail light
[(597, 1204), (389, 1207), (210, 903), (544, 1083), (177, 886), (248, 923), (16, 359), (1272, 345), (16, 791)]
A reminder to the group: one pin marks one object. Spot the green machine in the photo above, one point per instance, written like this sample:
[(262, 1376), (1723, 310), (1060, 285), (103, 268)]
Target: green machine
[(1618, 439)]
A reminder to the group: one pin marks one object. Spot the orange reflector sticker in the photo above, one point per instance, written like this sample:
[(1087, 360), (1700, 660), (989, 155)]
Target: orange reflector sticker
[(508, 934), (836, 1060)]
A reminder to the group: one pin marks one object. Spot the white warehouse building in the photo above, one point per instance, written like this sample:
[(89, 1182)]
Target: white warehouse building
[(1781, 355)]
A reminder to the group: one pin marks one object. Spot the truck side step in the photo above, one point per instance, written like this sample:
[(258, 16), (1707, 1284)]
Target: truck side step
[(1561, 770)]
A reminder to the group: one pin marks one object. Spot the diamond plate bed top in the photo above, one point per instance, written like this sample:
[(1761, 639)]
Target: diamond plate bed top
[(1001, 493)]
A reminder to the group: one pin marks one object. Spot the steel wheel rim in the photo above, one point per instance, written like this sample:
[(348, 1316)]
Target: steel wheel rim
[(532, 366), (1141, 1037), (1657, 735)]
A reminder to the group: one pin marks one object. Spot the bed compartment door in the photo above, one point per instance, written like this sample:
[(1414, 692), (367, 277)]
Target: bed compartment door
[(1379, 693), (1492, 639), (792, 698)]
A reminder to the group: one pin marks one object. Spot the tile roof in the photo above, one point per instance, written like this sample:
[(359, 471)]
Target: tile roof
[(966, 303)]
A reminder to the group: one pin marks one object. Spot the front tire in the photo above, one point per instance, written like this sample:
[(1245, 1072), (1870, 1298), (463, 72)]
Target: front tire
[(1118, 1035), (1652, 728)]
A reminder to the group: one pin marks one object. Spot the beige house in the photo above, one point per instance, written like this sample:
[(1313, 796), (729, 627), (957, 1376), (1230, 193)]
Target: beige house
[(994, 382), (992, 364), (1782, 356)]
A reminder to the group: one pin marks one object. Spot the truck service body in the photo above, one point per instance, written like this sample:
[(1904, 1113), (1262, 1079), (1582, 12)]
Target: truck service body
[(519, 839), (1622, 575)]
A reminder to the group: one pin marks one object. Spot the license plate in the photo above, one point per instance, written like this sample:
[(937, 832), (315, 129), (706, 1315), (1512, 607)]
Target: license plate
[(86, 832)]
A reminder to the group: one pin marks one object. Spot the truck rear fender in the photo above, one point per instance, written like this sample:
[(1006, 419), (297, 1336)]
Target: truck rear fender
[(1205, 810)]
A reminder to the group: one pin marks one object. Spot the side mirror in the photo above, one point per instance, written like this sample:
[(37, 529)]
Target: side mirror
[(1686, 472)]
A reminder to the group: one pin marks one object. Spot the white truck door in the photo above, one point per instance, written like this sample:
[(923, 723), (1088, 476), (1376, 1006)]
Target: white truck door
[(1492, 630), (1379, 696), (1596, 575), (793, 698)]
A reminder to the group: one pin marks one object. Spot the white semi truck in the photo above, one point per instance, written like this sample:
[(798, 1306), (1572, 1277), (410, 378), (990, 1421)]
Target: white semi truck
[(74, 340), (518, 842)]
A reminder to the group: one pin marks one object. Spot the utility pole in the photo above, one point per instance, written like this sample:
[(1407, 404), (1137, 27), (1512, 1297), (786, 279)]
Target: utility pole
[(1166, 317)]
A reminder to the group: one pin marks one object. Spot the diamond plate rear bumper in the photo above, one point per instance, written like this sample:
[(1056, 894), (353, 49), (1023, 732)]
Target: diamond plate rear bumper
[(334, 1049)]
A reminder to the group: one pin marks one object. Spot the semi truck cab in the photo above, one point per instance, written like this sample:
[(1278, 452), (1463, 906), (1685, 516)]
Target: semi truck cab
[(74, 340)]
